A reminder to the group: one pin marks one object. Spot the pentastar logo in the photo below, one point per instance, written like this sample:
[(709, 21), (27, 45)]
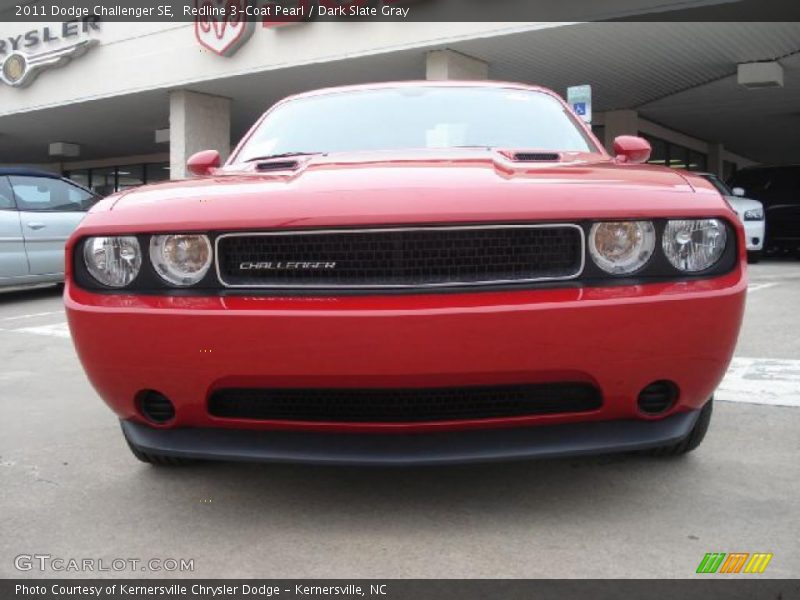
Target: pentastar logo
[(222, 25)]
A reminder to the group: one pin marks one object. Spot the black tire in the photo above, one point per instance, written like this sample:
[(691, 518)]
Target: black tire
[(753, 257), (158, 460), (691, 441)]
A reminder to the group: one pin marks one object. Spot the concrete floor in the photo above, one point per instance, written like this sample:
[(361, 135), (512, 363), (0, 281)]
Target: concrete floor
[(71, 489)]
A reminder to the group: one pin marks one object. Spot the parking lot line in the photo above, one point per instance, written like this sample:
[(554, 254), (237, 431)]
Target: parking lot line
[(757, 287), (761, 381), (60, 330), (32, 316)]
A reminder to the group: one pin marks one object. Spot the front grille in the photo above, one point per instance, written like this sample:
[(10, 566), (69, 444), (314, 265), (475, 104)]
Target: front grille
[(400, 257), (403, 405)]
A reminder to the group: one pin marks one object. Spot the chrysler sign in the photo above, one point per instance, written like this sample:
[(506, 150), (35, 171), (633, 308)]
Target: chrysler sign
[(23, 57)]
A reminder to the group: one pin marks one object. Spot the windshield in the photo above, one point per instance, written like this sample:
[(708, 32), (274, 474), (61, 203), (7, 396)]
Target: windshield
[(417, 117)]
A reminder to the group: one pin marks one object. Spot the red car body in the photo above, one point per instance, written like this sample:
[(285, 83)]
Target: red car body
[(618, 338)]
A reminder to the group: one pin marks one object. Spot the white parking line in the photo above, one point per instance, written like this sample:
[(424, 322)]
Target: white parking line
[(757, 287), (32, 316), (60, 330), (762, 381)]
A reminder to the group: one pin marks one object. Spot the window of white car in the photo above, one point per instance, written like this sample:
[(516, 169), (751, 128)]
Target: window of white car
[(45, 194)]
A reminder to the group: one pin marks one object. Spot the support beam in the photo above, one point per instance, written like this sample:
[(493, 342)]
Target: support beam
[(197, 122), (716, 159), (619, 122), (448, 64)]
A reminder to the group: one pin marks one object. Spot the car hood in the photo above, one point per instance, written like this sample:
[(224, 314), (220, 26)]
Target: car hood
[(402, 188), (740, 205)]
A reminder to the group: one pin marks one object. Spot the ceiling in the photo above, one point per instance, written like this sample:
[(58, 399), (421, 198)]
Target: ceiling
[(681, 75)]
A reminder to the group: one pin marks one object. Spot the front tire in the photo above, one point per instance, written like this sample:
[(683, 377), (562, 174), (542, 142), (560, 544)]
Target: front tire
[(691, 441)]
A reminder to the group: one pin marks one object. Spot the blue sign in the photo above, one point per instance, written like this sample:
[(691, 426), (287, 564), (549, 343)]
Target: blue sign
[(579, 97)]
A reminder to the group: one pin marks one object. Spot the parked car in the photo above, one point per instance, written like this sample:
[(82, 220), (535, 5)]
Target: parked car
[(411, 273), (38, 212), (750, 212), (778, 189)]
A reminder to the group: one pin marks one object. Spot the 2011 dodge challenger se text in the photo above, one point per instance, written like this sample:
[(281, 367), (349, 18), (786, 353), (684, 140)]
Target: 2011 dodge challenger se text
[(411, 273)]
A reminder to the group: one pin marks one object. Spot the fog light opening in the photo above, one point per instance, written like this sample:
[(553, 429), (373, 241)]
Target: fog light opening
[(155, 407), (658, 397)]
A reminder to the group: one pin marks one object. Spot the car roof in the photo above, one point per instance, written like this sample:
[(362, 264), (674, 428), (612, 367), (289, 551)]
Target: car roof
[(28, 172), (452, 83)]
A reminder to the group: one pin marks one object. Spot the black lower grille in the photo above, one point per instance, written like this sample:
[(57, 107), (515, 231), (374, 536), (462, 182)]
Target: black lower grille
[(382, 405), (400, 257)]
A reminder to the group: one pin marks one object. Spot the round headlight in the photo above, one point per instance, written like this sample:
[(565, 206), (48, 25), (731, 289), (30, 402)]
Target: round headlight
[(694, 245), (113, 261), (622, 247), (181, 259)]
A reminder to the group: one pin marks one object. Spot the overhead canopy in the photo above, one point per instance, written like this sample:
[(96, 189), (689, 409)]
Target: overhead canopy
[(680, 75)]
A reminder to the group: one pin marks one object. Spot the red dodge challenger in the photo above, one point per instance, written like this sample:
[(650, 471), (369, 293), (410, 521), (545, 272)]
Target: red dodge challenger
[(411, 273)]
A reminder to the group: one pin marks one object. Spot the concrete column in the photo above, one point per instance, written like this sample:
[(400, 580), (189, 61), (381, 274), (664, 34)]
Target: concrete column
[(620, 122), (197, 122), (449, 64), (716, 162)]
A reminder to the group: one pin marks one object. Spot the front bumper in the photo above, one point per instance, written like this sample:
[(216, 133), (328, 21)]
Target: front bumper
[(433, 448), (754, 232), (619, 339)]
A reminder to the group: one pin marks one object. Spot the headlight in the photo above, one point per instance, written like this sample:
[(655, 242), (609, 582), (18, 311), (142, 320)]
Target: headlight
[(756, 214), (694, 245), (113, 261), (622, 247), (182, 259)]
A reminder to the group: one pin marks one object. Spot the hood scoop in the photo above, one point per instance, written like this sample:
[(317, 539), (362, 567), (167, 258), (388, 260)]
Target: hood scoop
[(536, 157), (276, 165)]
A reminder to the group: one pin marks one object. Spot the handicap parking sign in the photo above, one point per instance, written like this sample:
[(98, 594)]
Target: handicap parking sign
[(579, 98)]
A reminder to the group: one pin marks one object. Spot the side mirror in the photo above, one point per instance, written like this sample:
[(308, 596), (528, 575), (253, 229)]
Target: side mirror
[(737, 191), (203, 163), (632, 149)]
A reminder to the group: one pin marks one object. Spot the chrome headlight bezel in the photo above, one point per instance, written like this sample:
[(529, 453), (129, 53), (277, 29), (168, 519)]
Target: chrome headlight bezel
[(114, 262), (162, 249)]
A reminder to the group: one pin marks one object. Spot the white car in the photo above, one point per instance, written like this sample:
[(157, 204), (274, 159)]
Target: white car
[(38, 212), (750, 212)]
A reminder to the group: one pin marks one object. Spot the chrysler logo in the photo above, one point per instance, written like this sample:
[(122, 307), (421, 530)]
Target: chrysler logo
[(19, 68), (286, 266)]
